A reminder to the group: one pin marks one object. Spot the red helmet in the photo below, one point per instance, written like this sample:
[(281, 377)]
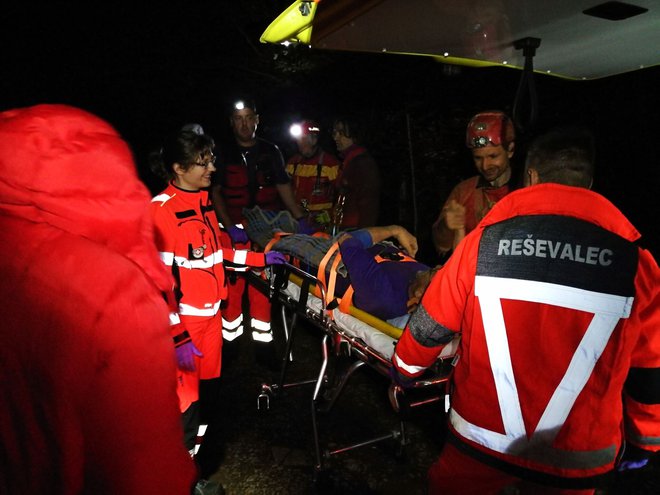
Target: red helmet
[(489, 129), (304, 128)]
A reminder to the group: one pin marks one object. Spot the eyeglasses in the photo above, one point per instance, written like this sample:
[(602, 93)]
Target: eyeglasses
[(209, 161)]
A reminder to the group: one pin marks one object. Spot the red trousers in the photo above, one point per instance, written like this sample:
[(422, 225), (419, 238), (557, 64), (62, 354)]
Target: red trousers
[(206, 334), (457, 473), (259, 303)]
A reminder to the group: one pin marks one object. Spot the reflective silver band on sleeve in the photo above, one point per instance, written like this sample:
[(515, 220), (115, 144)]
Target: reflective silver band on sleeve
[(426, 331)]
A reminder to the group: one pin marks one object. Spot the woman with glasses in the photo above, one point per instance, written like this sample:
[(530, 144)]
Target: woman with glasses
[(188, 239)]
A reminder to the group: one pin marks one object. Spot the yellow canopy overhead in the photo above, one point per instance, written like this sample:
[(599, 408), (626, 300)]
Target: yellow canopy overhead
[(292, 25), (579, 38)]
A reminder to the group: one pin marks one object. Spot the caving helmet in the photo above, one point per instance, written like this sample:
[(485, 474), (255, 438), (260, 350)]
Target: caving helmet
[(492, 128), (304, 128)]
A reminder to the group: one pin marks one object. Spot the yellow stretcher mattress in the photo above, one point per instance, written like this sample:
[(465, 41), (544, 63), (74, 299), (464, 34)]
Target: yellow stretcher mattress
[(374, 332)]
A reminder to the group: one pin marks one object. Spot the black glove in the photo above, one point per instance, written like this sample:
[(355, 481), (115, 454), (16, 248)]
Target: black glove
[(400, 379)]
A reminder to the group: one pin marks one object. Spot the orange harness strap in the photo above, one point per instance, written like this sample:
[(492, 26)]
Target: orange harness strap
[(321, 271), (330, 295), (346, 301), (276, 237)]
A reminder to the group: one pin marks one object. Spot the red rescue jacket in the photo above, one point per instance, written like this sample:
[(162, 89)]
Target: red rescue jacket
[(559, 312), (188, 239)]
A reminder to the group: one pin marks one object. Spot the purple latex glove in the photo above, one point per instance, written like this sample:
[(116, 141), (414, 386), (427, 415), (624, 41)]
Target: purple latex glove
[(185, 356), (633, 458), (237, 234), (306, 226), (630, 465), (275, 258)]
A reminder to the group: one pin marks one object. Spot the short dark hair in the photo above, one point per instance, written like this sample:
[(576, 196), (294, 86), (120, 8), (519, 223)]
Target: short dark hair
[(564, 156), (352, 127), (182, 147)]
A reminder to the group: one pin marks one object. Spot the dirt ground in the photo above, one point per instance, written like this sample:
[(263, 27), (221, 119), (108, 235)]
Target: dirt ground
[(270, 451)]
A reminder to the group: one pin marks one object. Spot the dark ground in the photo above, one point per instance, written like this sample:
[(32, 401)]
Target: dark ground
[(257, 452)]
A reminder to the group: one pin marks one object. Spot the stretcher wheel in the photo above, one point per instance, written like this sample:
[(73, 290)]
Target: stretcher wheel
[(263, 399), (263, 402)]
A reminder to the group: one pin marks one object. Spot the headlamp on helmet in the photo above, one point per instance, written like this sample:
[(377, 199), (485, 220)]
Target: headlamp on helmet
[(489, 129), (304, 128), (243, 103)]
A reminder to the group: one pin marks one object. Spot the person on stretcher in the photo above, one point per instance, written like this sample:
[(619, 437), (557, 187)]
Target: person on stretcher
[(387, 281)]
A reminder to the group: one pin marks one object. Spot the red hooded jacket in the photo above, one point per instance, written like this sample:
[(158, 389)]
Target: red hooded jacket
[(87, 389)]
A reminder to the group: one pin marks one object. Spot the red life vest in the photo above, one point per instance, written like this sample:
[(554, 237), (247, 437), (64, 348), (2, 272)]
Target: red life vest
[(314, 180), (249, 178)]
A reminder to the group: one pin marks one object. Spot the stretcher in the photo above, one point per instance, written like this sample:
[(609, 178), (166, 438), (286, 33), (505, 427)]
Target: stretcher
[(350, 339)]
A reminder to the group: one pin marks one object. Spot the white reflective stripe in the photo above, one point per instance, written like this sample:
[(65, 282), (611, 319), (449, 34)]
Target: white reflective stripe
[(187, 309), (174, 319), (167, 258), (230, 325), (237, 268), (206, 262), (239, 225), (262, 336), (240, 256), (161, 198), (410, 369), (201, 431), (579, 370), (264, 326), (557, 295), (607, 309), (500, 363), (491, 439), (232, 334)]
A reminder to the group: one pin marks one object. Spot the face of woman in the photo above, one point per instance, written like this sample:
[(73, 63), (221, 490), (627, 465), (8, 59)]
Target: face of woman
[(198, 174)]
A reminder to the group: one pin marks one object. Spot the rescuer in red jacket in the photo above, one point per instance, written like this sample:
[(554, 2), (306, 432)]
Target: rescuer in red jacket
[(87, 391), (250, 173), (557, 375), (190, 244)]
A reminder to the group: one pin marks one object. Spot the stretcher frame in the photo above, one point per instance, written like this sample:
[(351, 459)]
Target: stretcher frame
[(309, 302)]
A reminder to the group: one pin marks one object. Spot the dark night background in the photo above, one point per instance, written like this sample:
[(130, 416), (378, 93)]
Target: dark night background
[(148, 71)]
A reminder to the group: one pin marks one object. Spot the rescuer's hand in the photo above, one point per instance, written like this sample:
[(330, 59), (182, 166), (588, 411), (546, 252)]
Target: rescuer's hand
[(237, 234), (275, 258), (399, 379), (185, 356), (454, 214), (633, 458)]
